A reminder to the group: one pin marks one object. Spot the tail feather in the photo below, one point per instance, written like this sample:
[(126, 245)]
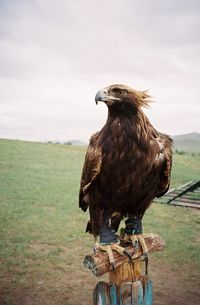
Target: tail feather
[(89, 227)]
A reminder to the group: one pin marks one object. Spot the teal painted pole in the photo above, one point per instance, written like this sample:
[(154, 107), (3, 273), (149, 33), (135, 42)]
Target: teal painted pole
[(138, 293), (148, 295)]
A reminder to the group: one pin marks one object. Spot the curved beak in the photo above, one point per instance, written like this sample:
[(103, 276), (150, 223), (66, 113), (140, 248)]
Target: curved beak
[(101, 96)]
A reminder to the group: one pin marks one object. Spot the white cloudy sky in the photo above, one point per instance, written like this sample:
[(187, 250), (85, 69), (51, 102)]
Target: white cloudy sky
[(56, 54)]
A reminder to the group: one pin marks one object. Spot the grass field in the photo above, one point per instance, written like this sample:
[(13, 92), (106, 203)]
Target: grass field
[(42, 239)]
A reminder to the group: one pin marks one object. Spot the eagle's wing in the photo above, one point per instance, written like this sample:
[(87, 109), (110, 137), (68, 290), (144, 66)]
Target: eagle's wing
[(91, 169), (165, 156)]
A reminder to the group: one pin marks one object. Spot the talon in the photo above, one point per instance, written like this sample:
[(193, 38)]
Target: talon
[(135, 245), (133, 232), (146, 260), (95, 249), (109, 248), (134, 240), (128, 255), (144, 256), (143, 244)]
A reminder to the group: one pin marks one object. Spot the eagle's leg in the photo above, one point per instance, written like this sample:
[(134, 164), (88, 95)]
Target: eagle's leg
[(133, 233), (109, 243)]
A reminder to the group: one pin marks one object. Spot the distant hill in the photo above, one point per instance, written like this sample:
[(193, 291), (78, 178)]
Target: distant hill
[(187, 142), (76, 143)]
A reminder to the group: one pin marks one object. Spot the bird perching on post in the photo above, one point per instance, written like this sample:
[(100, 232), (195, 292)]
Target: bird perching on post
[(127, 164)]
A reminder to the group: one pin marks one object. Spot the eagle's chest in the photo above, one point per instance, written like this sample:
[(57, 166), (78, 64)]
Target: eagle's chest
[(125, 158), (119, 143), (121, 157)]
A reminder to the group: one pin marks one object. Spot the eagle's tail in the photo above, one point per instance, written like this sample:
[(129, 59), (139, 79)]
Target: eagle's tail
[(89, 227)]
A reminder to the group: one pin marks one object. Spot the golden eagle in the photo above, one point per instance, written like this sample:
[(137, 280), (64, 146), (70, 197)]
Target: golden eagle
[(127, 164)]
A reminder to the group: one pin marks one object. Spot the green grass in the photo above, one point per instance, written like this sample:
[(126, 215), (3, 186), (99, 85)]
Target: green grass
[(38, 198), (185, 168), (42, 228)]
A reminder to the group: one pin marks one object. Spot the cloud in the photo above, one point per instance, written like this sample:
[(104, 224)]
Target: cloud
[(55, 55)]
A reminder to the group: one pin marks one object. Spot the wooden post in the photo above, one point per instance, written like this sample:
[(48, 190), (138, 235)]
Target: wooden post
[(127, 272), (127, 283)]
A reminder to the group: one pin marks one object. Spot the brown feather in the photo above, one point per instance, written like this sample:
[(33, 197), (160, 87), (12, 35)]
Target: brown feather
[(127, 164)]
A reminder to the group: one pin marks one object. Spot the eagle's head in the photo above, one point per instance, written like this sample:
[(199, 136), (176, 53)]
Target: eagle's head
[(122, 97)]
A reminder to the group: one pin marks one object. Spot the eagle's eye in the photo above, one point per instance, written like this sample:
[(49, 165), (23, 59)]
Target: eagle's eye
[(122, 92)]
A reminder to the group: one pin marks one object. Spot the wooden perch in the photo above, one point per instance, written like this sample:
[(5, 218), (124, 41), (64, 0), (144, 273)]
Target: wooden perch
[(99, 263)]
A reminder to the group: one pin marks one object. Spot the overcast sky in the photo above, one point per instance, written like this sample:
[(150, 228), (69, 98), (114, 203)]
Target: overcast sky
[(56, 54)]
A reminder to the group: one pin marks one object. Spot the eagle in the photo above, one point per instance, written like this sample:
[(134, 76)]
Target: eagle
[(127, 164)]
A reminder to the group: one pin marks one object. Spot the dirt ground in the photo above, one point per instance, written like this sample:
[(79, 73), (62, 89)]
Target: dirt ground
[(76, 288)]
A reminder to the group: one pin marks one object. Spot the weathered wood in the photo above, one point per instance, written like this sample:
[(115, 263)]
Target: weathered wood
[(99, 264), (128, 293), (127, 272), (185, 204)]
